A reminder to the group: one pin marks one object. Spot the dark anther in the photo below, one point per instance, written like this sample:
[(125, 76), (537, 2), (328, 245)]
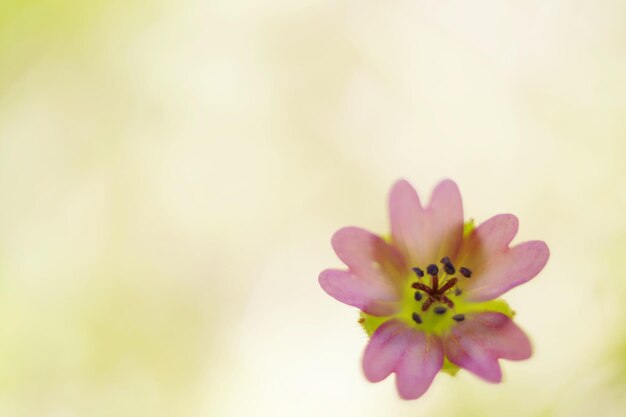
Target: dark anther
[(465, 272), (458, 292), (417, 318), (418, 272), (458, 317), (432, 269), (418, 296), (440, 310), (447, 265)]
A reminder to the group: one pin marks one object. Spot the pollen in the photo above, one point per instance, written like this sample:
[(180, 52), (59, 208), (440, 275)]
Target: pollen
[(440, 310), (418, 272), (432, 270), (416, 317), (447, 265), (465, 272)]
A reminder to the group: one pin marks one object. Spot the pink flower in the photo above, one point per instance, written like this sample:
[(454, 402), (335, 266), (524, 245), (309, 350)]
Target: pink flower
[(427, 294)]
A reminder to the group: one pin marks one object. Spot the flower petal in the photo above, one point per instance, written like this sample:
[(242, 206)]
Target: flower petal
[(496, 267), (385, 349), (407, 221), (517, 266), (445, 220), (375, 297), (477, 343), (368, 255), (494, 235), (414, 356), (425, 235), (418, 366)]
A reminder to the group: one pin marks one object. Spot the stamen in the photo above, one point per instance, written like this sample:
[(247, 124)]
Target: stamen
[(432, 269), (423, 287), (449, 284), (457, 292), (418, 272), (458, 317), (447, 265), (465, 272), (440, 310), (447, 301), (427, 304), (416, 317), (433, 292)]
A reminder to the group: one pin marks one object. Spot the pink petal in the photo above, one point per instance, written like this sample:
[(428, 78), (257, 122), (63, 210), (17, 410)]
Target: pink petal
[(477, 343), (368, 255), (376, 297), (407, 221), (496, 268), (426, 235), (418, 366), (446, 219), (384, 350), (494, 235), (415, 358)]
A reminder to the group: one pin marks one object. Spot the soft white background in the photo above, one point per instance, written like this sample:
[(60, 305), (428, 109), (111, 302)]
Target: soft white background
[(171, 174)]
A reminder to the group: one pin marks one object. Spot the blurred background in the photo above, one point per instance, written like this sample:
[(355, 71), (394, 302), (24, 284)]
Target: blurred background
[(171, 173)]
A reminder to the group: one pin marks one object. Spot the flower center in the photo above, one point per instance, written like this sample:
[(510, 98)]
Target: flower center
[(439, 290)]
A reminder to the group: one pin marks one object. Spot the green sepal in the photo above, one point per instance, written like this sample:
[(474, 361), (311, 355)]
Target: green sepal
[(468, 228), (371, 323), (449, 368)]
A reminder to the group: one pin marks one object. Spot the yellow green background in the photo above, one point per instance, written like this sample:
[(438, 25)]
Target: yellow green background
[(171, 174)]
